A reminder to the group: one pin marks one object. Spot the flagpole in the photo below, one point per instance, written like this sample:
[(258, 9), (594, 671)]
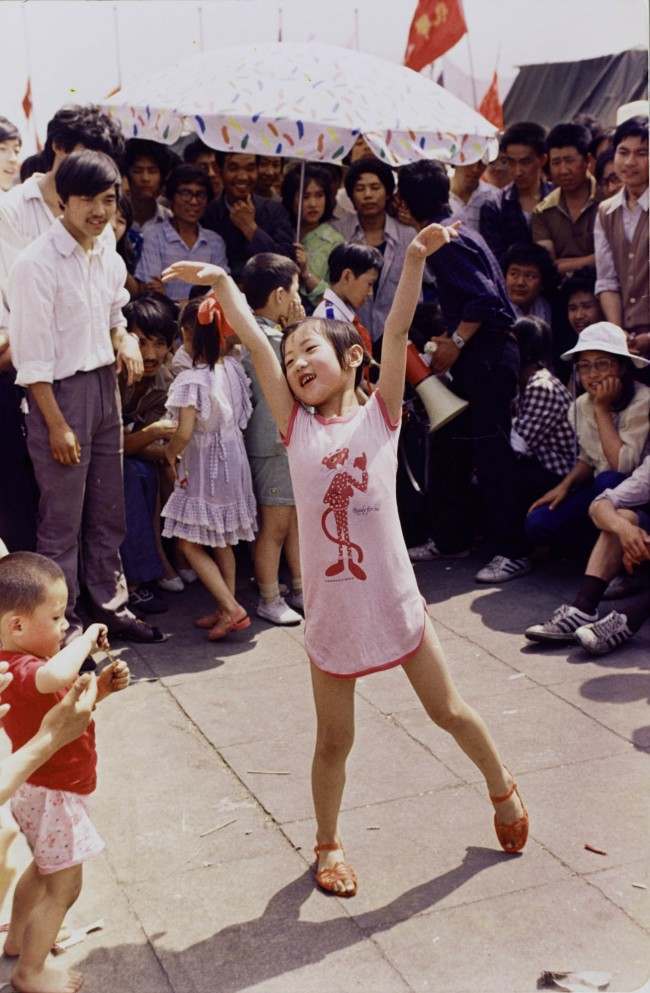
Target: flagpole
[(199, 11), (116, 36), (356, 28), (279, 23), (471, 69), (28, 60)]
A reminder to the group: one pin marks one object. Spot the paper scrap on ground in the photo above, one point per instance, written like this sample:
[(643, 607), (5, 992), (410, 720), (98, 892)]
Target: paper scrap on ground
[(76, 936), (576, 982)]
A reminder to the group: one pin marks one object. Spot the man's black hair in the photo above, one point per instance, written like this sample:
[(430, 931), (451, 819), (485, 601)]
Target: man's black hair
[(86, 174), (357, 258), (581, 281), (155, 315), (83, 125), (9, 131), (602, 161), (291, 186), (195, 148), (142, 148), (30, 165), (187, 174), (569, 136), (424, 188), (606, 134), (535, 341), (525, 133), (529, 253), (634, 127), (380, 169), (264, 273), (222, 156)]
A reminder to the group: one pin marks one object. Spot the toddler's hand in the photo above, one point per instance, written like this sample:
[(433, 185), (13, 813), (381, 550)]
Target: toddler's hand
[(98, 634), (113, 678)]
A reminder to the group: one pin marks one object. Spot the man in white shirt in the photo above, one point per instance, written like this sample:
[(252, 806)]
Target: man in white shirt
[(66, 293)]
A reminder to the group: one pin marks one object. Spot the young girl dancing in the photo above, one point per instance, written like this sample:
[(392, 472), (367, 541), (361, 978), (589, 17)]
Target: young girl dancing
[(213, 502), (50, 807), (363, 610)]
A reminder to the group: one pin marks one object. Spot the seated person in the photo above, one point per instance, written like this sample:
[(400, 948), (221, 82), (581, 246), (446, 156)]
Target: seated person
[(198, 154), (468, 194), (354, 270), (505, 220), (611, 421), (247, 222), (531, 280), (180, 236), (541, 437), (269, 176), (317, 237), (153, 319), (609, 182), (370, 184), (563, 222), (622, 515)]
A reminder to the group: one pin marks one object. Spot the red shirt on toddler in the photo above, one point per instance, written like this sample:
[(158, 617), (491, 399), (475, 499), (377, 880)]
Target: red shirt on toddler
[(73, 767)]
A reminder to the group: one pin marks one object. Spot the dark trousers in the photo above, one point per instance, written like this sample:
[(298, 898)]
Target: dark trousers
[(18, 491), (81, 507), (139, 550), (478, 442), (569, 525)]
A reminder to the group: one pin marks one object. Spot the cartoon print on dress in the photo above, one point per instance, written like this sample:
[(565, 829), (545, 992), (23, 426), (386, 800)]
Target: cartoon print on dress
[(337, 498)]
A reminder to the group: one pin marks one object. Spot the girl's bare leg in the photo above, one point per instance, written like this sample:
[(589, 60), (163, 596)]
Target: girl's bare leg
[(334, 699), (429, 677), (210, 575), (32, 974), (225, 559)]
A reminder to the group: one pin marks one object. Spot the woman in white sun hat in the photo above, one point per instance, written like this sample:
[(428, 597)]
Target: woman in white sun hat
[(611, 420)]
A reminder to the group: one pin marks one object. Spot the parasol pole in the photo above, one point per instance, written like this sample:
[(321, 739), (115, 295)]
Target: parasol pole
[(301, 192), (471, 69), (199, 11), (356, 28)]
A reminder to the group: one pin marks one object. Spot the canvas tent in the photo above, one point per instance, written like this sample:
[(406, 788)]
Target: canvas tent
[(558, 91)]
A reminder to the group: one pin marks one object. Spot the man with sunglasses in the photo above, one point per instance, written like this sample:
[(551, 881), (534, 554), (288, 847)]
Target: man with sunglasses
[(181, 236)]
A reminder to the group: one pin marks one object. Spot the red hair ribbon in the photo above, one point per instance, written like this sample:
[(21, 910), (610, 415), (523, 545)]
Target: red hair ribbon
[(210, 311)]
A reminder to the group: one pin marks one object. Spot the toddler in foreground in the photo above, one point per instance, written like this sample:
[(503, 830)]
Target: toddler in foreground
[(50, 807), (363, 609)]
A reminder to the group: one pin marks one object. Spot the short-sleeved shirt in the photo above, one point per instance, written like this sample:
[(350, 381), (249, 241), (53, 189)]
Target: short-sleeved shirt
[(73, 767), (162, 246), (552, 222)]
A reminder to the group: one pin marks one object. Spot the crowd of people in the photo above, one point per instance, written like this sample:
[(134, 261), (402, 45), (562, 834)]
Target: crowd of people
[(194, 361)]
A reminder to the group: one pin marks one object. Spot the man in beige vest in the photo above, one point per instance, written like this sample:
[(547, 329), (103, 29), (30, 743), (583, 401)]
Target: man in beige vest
[(621, 239)]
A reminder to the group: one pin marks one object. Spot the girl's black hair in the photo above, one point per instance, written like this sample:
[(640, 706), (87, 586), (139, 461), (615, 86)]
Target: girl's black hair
[(291, 186), (535, 341), (206, 345), (86, 174), (341, 336)]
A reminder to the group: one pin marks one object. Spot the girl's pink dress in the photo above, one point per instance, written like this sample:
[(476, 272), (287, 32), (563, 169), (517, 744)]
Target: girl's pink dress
[(363, 609)]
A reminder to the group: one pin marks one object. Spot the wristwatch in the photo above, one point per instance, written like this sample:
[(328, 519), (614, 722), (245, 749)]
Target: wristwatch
[(458, 340)]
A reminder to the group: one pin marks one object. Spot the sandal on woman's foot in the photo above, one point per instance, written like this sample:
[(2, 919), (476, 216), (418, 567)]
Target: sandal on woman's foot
[(512, 837), (209, 621), (226, 624), (327, 878)]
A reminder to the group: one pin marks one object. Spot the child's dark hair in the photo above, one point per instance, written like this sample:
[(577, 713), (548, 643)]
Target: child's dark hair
[(535, 342), (155, 315), (187, 174), (358, 258), (206, 345), (83, 125), (313, 173), (532, 254), (341, 336), (264, 273), (24, 581), (86, 174)]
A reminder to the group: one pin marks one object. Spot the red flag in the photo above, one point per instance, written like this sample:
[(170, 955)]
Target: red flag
[(490, 105), (436, 27), (27, 100)]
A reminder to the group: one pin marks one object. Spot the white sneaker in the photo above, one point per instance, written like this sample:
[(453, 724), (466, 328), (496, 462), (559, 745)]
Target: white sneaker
[(173, 584), (296, 601), (277, 611), (562, 626), (430, 551), (501, 569), (188, 576), (604, 635)]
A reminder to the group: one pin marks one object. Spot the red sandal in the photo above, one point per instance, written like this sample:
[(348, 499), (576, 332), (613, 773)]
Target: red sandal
[(340, 872), (209, 621), (226, 624), (512, 837)]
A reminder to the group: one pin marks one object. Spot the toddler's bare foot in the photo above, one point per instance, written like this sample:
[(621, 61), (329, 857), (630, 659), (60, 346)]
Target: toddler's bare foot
[(11, 951), (46, 980)]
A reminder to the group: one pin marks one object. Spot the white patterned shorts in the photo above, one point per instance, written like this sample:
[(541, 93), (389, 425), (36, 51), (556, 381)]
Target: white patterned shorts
[(57, 827)]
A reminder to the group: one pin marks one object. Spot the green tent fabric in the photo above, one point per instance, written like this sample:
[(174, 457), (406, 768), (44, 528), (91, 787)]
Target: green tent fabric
[(559, 91)]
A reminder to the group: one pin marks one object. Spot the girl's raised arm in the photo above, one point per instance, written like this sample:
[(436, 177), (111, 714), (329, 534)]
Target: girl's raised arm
[(393, 352), (239, 316)]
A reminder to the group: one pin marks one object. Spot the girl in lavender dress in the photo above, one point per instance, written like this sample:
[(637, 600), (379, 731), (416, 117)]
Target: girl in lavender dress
[(363, 610), (213, 502)]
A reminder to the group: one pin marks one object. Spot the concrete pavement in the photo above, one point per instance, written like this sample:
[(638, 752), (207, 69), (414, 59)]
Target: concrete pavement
[(222, 740)]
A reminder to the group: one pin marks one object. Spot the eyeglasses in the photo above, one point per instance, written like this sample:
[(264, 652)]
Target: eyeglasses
[(600, 365), (187, 196)]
